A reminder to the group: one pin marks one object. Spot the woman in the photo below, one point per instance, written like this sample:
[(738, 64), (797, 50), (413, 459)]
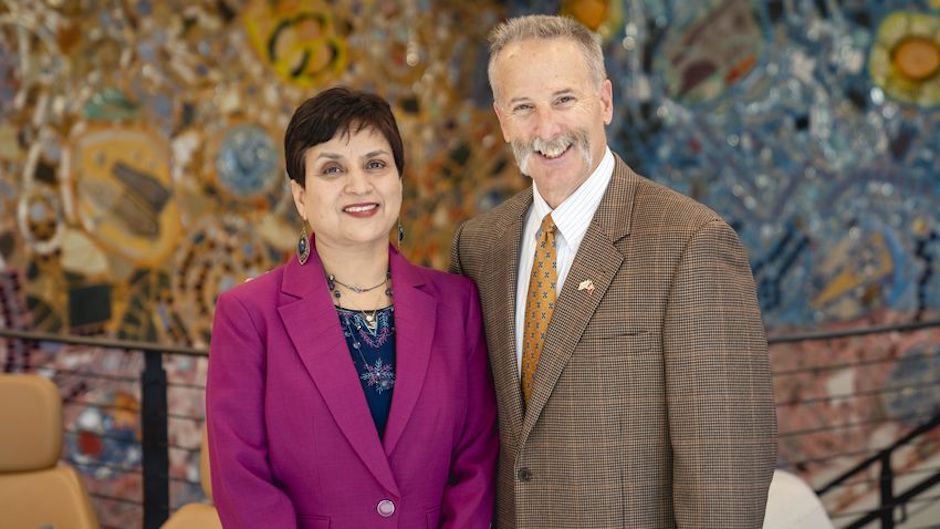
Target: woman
[(349, 388)]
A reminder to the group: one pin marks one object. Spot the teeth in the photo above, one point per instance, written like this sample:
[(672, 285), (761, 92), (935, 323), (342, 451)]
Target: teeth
[(359, 209), (551, 149), (554, 152)]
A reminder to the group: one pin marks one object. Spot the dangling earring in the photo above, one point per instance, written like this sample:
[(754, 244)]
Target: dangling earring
[(303, 246), (401, 236)]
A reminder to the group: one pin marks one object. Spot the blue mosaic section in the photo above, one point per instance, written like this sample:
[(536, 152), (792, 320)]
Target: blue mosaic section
[(770, 113)]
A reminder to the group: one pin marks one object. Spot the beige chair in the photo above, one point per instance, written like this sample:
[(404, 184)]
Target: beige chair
[(36, 490), (198, 515), (792, 504)]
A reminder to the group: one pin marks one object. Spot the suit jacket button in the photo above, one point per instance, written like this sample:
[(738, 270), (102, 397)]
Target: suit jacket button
[(385, 508), (525, 474)]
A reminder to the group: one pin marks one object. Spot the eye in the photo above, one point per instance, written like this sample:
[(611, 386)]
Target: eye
[(331, 169), (563, 100), (376, 164), (521, 108)]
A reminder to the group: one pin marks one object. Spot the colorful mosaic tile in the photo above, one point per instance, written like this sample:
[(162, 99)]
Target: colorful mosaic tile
[(141, 167)]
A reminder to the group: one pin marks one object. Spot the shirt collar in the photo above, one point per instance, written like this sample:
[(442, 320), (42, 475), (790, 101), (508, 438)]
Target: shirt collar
[(574, 214)]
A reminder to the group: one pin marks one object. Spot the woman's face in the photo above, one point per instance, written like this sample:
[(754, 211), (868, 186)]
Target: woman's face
[(352, 195)]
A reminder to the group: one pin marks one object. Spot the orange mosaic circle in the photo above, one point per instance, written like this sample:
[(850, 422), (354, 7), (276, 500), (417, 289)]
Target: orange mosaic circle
[(917, 58)]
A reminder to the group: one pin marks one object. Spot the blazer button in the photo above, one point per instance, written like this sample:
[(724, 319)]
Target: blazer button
[(385, 508), (525, 474)]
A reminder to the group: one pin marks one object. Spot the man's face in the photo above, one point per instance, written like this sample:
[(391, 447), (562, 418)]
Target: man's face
[(552, 111)]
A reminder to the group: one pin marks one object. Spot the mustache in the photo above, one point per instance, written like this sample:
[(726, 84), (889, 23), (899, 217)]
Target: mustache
[(578, 138), (523, 149)]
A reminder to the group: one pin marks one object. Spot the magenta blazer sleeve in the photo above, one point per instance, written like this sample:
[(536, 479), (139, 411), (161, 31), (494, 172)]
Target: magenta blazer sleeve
[(243, 487)]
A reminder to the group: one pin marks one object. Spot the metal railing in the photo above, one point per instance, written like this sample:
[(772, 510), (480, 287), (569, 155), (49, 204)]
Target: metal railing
[(154, 418), (154, 415), (927, 422), (889, 501)]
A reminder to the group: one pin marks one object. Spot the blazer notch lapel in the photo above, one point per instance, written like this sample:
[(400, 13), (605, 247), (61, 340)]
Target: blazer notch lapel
[(597, 262), (503, 359), (415, 321), (614, 214), (312, 324)]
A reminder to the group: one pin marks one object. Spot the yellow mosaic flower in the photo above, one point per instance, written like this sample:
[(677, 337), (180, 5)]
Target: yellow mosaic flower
[(297, 39), (905, 58)]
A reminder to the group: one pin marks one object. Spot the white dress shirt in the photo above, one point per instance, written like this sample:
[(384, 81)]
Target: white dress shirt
[(572, 218)]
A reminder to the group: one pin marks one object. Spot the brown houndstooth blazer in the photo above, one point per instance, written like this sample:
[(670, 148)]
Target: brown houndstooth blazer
[(652, 404)]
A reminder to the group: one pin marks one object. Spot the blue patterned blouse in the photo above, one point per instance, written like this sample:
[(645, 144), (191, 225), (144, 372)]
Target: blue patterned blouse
[(373, 354)]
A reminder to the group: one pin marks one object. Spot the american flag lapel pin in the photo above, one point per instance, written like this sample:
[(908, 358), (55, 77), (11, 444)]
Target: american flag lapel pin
[(588, 285)]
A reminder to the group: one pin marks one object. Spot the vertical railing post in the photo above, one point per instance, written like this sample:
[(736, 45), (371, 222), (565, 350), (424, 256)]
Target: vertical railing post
[(887, 491), (156, 459)]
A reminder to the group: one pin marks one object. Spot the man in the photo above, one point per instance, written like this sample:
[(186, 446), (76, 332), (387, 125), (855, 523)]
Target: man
[(623, 328)]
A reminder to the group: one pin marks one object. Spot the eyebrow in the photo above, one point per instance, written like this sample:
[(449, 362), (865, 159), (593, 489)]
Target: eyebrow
[(556, 93), (375, 153), (337, 156)]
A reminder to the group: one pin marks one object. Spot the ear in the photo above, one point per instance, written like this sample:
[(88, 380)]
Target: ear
[(299, 194), (607, 101), (502, 121)]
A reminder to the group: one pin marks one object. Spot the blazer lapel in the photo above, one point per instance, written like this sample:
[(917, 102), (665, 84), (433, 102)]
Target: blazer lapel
[(313, 327), (503, 359), (415, 315), (598, 261)]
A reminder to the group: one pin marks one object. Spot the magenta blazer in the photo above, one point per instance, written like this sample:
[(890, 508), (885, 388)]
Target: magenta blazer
[(291, 441)]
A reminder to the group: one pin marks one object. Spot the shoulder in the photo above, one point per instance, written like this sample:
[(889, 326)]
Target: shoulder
[(446, 285), (500, 216), (658, 201), (255, 291), (658, 208)]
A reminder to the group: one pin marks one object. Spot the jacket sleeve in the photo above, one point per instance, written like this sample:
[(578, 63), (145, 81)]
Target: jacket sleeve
[(470, 493), (718, 386), (455, 266), (244, 489)]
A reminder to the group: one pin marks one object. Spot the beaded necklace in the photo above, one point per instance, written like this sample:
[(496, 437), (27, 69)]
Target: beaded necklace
[(378, 375)]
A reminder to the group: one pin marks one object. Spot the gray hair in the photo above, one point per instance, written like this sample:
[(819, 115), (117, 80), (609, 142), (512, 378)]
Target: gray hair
[(547, 27)]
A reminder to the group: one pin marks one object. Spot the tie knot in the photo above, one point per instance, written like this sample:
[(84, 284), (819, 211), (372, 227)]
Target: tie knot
[(548, 225)]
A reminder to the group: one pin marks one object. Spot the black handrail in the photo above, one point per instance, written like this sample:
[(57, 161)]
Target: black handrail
[(155, 441), (886, 512), (153, 413), (191, 351), (863, 465), (888, 500), (107, 343), (857, 331)]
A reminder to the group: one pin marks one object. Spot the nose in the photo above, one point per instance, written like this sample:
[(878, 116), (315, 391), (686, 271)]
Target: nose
[(357, 182), (547, 125)]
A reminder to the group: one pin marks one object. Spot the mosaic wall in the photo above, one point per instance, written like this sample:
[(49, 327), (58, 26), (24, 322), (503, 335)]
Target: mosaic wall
[(141, 167)]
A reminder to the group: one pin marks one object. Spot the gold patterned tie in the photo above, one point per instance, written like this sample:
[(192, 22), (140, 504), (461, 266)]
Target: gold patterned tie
[(539, 303)]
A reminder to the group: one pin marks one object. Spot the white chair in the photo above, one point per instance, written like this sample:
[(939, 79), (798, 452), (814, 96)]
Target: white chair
[(792, 504)]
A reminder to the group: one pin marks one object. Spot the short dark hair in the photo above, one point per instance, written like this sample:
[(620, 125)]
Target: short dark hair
[(338, 110)]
